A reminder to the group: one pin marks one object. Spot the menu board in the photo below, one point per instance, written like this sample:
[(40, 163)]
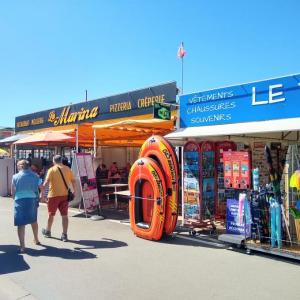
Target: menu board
[(89, 166), (88, 183), (81, 165)]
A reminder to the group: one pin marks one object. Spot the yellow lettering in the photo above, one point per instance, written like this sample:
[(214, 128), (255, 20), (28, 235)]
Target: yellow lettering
[(81, 114), (37, 121), (121, 106), (72, 117), (23, 123), (94, 112)]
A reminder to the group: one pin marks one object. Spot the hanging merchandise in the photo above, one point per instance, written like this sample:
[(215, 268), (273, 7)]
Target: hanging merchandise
[(255, 179), (258, 161), (275, 221), (275, 177), (295, 180), (191, 186), (260, 214), (208, 181)]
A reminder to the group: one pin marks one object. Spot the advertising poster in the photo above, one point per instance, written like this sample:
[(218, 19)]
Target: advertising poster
[(234, 222), (87, 180)]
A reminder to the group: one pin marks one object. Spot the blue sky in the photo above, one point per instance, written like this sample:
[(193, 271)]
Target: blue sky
[(51, 51)]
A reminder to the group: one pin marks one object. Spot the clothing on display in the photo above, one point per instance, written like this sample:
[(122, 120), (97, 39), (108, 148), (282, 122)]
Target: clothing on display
[(275, 218)]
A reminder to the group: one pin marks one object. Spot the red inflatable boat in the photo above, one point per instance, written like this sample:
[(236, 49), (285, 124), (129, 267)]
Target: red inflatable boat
[(147, 207), (160, 150)]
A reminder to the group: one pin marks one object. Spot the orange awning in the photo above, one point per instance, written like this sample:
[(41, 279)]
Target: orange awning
[(131, 132)]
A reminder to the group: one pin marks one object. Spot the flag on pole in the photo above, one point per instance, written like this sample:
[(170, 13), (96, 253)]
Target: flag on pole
[(181, 52)]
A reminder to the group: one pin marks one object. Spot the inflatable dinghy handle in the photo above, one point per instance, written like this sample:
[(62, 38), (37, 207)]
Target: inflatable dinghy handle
[(140, 163), (158, 201)]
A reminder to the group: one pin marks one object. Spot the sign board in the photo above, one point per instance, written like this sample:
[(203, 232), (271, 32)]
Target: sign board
[(83, 166), (135, 103), (233, 224), (258, 101), (161, 111)]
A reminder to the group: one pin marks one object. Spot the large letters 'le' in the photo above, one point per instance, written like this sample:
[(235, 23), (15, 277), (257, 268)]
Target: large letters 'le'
[(272, 95)]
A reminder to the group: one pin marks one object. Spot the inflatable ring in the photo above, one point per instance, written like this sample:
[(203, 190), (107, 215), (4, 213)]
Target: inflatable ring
[(159, 149), (147, 199)]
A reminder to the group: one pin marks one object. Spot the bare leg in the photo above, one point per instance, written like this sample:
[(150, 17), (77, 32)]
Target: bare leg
[(35, 230), (50, 222), (65, 223), (21, 234)]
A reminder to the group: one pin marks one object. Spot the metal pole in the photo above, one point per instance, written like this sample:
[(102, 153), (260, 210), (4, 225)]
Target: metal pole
[(182, 75), (95, 143), (182, 186), (77, 144), (85, 95)]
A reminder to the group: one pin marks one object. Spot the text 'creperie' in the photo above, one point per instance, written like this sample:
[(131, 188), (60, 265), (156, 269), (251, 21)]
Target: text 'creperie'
[(141, 103), (149, 101)]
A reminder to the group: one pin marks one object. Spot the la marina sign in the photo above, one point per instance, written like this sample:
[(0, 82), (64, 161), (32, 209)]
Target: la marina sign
[(134, 103)]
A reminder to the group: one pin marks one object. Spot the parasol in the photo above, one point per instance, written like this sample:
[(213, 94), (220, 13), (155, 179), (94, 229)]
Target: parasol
[(45, 138)]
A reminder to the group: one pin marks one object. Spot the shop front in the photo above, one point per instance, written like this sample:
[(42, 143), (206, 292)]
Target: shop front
[(240, 163), (80, 120), (111, 128)]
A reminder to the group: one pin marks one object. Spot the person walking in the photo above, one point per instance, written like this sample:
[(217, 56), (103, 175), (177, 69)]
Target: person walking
[(25, 191), (58, 195)]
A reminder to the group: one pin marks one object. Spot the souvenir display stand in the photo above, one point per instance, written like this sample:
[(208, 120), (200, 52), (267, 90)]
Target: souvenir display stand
[(254, 134), (208, 181), (223, 193), (191, 182)]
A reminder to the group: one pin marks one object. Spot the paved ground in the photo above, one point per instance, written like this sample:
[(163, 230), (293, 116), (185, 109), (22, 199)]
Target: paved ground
[(105, 260)]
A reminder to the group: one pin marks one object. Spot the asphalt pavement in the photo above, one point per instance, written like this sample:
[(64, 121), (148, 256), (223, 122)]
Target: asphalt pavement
[(104, 260)]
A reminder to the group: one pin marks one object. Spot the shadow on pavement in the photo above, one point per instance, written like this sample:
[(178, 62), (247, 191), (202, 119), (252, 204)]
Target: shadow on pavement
[(107, 213), (11, 260), (97, 244), (60, 253), (194, 242)]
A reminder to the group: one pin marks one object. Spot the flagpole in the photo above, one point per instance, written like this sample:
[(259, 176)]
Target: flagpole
[(181, 53), (182, 75)]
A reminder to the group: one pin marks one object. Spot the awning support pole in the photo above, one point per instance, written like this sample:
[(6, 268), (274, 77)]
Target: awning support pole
[(95, 143), (182, 185), (77, 146)]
